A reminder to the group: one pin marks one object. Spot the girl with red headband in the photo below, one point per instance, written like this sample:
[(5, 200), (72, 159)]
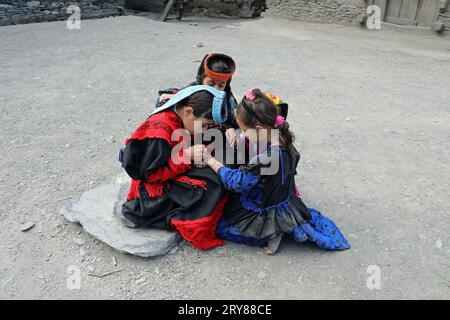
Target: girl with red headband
[(216, 70)]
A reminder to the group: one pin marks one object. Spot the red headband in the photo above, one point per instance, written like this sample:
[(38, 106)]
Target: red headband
[(219, 76)]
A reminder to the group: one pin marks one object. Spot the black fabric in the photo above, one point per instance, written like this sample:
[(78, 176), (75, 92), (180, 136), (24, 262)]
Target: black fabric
[(181, 201), (275, 220), (143, 157), (196, 203)]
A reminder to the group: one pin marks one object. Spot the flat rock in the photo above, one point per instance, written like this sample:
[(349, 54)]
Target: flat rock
[(96, 210)]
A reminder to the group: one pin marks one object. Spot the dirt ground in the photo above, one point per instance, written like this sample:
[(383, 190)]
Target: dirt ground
[(370, 109)]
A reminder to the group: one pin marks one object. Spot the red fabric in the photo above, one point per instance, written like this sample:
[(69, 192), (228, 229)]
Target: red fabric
[(169, 172), (193, 182), (201, 233), (215, 75), (134, 190), (159, 125), (218, 76), (154, 190)]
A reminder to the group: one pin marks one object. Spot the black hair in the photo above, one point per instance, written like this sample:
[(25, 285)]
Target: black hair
[(262, 111), (218, 64), (201, 104)]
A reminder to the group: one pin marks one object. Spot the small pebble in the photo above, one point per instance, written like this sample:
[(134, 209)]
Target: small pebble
[(27, 226)]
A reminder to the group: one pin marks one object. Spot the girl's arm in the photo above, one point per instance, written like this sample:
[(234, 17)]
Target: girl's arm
[(150, 160), (238, 180), (214, 164)]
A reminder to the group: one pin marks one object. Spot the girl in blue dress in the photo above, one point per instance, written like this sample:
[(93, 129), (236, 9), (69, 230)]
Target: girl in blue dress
[(263, 206)]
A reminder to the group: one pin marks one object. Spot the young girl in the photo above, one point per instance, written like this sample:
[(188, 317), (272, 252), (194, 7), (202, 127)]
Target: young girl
[(216, 70), (261, 208), (166, 190)]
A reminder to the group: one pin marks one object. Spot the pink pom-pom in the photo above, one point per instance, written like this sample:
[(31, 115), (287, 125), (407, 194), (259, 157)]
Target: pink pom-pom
[(279, 120)]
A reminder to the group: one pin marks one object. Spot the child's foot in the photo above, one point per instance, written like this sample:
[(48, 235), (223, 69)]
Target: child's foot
[(273, 245)]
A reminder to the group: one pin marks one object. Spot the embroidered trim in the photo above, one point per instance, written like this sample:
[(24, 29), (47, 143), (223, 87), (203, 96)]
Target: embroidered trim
[(248, 204), (232, 233), (160, 125), (322, 231)]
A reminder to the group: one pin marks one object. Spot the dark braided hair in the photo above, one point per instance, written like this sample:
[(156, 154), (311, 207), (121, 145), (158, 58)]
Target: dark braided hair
[(201, 104), (262, 111)]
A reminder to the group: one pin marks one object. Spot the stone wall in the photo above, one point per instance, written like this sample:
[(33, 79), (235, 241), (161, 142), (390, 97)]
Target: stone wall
[(229, 8), (22, 11), (319, 10), (211, 8)]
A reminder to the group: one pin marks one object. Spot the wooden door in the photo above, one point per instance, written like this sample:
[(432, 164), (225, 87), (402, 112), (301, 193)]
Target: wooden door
[(402, 12), (412, 12), (428, 12)]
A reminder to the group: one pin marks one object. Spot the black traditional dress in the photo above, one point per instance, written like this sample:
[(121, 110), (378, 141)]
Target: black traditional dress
[(261, 207), (165, 193)]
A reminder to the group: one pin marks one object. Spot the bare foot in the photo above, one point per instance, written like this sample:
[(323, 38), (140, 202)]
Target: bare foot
[(273, 245), (267, 251)]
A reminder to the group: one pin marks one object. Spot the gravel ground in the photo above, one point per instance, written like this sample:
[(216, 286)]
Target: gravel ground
[(370, 110)]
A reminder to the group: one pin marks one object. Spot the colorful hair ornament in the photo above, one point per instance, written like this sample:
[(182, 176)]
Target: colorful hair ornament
[(250, 96), (281, 106), (275, 99)]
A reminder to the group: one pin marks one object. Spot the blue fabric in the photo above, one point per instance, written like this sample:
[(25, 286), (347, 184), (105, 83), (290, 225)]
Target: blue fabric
[(245, 183), (282, 167), (237, 180), (322, 231), (252, 203), (219, 105), (232, 105), (231, 233)]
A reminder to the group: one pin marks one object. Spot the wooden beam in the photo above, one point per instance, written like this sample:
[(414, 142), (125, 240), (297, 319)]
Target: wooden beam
[(167, 9)]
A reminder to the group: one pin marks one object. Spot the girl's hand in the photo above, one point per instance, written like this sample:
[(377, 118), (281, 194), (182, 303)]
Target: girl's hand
[(231, 136), (211, 161), (195, 153)]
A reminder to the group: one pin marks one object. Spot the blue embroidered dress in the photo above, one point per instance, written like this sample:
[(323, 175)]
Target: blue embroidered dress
[(261, 207)]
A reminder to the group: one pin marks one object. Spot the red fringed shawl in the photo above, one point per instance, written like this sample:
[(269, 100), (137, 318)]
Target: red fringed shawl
[(201, 233), (160, 126)]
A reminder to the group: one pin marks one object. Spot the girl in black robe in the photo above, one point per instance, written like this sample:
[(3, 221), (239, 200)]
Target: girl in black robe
[(167, 191)]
